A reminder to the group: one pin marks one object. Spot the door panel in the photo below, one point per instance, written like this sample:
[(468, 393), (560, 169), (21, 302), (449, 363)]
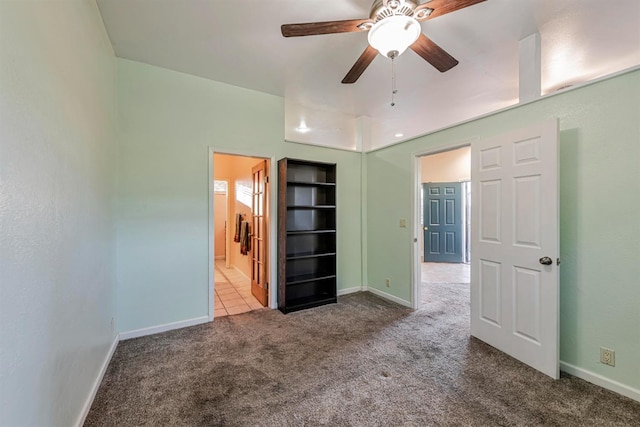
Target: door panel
[(527, 304), (489, 286), (259, 235), (527, 204), (514, 215), (443, 225), (489, 211)]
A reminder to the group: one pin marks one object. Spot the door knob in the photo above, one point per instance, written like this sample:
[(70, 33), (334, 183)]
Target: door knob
[(545, 260), (426, 228)]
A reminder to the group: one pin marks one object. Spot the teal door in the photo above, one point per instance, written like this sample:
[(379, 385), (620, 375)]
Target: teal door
[(442, 221)]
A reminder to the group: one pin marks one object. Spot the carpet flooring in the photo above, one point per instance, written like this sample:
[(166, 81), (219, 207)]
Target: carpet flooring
[(362, 362)]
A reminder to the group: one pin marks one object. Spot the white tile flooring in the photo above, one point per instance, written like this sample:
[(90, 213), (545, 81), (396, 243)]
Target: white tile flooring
[(442, 272), (232, 292)]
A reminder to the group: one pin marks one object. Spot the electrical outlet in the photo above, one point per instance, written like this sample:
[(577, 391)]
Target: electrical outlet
[(403, 223), (607, 356), (388, 282)]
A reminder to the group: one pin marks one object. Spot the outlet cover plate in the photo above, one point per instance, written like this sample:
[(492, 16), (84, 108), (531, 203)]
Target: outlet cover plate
[(607, 356)]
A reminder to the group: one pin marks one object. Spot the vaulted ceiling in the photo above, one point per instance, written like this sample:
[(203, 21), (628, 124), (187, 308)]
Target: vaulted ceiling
[(239, 42)]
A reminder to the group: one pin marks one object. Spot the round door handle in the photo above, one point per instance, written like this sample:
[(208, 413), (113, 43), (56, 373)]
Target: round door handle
[(426, 228), (545, 260)]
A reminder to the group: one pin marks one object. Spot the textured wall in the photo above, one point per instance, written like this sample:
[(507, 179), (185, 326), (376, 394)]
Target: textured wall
[(58, 132), (168, 121), (599, 216)]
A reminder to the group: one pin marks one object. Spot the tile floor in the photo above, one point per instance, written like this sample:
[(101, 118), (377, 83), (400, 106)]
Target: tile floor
[(232, 292), (442, 272)]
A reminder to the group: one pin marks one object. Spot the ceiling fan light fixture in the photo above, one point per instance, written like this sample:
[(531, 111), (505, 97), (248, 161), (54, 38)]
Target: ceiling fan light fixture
[(393, 35)]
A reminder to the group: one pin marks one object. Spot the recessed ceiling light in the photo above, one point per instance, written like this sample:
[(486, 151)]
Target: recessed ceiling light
[(399, 135), (303, 127)]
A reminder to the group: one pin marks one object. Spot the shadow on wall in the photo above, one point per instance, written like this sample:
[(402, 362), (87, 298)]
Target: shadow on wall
[(569, 176)]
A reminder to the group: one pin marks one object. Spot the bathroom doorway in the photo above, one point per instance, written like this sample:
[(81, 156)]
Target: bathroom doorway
[(241, 225)]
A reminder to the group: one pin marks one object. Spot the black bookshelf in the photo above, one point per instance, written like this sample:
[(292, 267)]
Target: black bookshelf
[(306, 234)]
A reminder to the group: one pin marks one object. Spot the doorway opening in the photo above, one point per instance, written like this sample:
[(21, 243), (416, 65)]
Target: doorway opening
[(240, 233), (443, 215), (513, 295)]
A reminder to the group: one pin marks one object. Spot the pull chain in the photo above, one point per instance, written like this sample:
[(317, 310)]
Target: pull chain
[(393, 79)]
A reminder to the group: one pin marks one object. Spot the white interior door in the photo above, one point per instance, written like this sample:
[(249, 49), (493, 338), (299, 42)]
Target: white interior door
[(515, 244)]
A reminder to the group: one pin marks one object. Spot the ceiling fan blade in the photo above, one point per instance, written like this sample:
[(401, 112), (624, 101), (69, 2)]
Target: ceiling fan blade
[(329, 27), (433, 54), (361, 64), (442, 7)]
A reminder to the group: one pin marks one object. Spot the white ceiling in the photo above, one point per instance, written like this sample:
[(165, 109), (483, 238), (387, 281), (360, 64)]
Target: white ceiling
[(239, 42)]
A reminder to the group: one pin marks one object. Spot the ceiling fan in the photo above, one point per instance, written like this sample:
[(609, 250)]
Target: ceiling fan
[(393, 26)]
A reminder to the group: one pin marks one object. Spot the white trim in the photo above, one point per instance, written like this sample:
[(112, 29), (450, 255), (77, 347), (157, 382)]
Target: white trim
[(601, 381), (352, 290), (389, 297), (96, 384), (212, 249), (163, 328), (416, 271), (273, 233), (311, 144), (449, 146)]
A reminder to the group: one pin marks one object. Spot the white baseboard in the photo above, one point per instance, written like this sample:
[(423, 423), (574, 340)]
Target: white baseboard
[(346, 291), (96, 384), (163, 328), (389, 297), (600, 380)]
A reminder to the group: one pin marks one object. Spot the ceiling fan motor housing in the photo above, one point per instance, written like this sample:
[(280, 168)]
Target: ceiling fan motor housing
[(382, 9)]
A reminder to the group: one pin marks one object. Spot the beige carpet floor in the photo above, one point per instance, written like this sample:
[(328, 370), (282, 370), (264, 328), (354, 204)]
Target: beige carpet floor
[(362, 362)]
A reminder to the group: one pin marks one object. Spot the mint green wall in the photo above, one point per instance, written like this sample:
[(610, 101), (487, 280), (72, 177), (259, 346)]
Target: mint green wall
[(600, 216), (57, 274), (167, 122)]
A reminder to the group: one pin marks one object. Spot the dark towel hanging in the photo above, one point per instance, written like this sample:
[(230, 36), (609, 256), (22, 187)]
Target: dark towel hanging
[(245, 238), (236, 236)]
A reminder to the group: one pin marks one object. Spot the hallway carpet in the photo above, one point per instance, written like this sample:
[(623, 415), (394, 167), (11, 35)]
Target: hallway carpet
[(362, 362)]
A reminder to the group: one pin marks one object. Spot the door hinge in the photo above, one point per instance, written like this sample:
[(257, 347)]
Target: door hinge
[(557, 261), (266, 286), (266, 179)]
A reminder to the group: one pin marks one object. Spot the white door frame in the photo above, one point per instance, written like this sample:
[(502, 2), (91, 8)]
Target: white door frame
[(273, 186), (416, 270)]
